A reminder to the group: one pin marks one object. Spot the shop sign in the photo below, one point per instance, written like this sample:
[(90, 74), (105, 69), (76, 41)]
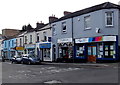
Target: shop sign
[(45, 45), (29, 46), (19, 48), (82, 40), (96, 39), (64, 40), (109, 38)]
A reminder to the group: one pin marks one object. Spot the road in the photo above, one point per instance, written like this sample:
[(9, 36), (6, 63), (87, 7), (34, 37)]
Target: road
[(63, 73)]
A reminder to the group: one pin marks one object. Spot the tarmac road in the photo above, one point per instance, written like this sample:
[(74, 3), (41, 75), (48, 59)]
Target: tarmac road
[(59, 73)]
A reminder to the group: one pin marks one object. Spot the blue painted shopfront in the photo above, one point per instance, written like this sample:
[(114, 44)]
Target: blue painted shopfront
[(103, 48)]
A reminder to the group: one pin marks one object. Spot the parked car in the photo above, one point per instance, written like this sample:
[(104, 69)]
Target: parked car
[(30, 59), (16, 59)]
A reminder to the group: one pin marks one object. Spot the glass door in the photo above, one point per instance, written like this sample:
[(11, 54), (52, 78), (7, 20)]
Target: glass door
[(92, 53)]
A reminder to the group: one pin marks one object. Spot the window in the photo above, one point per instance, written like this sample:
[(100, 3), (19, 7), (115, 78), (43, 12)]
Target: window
[(44, 35), (54, 30), (37, 37), (25, 39), (64, 29), (9, 43), (5, 44), (12, 43), (30, 38), (20, 42), (87, 23), (109, 18), (16, 42)]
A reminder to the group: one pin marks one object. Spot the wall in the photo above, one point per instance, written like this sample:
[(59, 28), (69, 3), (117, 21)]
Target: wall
[(97, 21)]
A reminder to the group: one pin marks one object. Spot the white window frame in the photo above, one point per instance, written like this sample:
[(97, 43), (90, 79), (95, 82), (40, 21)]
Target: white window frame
[(85, 22), (109, 17), (64, 25)]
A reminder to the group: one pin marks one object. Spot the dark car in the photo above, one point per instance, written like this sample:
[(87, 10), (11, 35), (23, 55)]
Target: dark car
[(30, 59), (16, 59)]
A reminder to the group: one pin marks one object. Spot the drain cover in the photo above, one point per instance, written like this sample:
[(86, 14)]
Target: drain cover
[(52, 81)]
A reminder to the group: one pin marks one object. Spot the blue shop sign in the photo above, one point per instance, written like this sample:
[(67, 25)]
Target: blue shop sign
[(45, 45)]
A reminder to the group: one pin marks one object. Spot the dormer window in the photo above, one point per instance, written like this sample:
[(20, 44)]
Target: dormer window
[(64, 28), (109, 18)]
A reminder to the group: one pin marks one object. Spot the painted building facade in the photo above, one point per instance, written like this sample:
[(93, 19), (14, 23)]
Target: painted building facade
[(89, 35), (9, 48), (43, 43)]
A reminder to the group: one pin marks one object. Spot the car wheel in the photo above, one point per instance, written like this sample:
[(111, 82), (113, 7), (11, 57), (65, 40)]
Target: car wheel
[(29, 62), (12, 62), (22, 62)]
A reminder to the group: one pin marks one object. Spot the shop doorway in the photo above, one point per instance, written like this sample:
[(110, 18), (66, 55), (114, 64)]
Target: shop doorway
[(92, 53), (65, 52)]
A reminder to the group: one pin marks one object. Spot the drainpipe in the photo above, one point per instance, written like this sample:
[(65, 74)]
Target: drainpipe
[(73, 43)]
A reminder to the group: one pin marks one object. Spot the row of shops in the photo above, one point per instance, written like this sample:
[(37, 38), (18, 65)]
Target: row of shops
[(42, 50), (93, 49)]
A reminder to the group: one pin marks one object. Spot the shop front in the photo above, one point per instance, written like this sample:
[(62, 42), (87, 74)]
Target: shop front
[(19, 50), (94, 49), (45, 51), (30, 49), (65, 49)]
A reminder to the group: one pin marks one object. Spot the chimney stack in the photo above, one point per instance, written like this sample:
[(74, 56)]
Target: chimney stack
[(52, 18), (66, 13), (39, 25)]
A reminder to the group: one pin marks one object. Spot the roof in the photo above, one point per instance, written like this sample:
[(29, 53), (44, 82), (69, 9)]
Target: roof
[(106, 5)]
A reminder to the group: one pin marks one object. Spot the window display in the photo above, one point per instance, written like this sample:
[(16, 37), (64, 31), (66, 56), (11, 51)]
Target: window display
[(80, 52)]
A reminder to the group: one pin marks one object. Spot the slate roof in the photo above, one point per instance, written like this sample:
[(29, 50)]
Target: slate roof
[(106, 5)]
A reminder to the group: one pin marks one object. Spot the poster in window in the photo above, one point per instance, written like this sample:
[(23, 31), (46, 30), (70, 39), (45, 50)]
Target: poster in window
[(99, 56), (106, 53), (101, 53), (106, 47), (111, 47), (111, 53), (101, 48)]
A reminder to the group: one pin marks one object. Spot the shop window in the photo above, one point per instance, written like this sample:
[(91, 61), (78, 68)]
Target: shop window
[(109, 50), (87, 23), (109, 18), (100, 50), (80, 52)]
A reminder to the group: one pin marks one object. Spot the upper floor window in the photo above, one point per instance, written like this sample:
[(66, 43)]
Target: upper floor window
[(30, 38), (5, 44), (109, 18), (64, 28), (44, 35), (9, 43), (12, 43), (16, 42), (54, 30), (20, 42), (25, 39), (38, 37), (87, 23)]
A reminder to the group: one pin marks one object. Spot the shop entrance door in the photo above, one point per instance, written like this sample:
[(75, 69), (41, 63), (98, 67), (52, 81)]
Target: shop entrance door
[(92, 54)]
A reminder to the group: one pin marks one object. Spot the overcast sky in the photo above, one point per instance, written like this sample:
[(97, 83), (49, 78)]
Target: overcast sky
[(16, 13)]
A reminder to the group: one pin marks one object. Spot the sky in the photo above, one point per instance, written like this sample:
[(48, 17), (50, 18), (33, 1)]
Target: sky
[(16, 13)]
